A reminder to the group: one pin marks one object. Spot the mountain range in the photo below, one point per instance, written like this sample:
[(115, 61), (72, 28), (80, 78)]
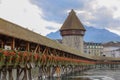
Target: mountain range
[(91, 35)]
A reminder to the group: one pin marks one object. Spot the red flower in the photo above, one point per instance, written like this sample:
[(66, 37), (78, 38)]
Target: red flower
[(36, 56), (25, 54), (6, 53), (20, 54), (12, 53), (44, 58)]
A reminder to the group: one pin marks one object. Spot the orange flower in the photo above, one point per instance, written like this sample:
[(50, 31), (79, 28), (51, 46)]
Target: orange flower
[(12, 53), (36, 56), (44, 58), (20, 54), (25, 54), (6, 53), (30, 54)]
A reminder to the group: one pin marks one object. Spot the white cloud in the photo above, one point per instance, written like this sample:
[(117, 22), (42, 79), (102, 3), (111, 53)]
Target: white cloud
[(111, 4), (101, 14), (114, 30), (98, 13), (24, 13)]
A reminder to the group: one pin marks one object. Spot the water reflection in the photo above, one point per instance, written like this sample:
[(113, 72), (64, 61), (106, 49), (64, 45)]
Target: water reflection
[(78, 79), (93, 75), (92, 78), (96, 75), (72, 78)]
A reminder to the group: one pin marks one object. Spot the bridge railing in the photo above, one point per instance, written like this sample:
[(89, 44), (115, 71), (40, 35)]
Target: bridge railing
[(15, 58)]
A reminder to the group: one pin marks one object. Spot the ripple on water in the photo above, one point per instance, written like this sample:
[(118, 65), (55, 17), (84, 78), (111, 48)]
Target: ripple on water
[(91, 78)]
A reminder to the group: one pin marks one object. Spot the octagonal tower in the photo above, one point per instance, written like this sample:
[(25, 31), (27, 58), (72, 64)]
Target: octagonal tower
[(72, 32)]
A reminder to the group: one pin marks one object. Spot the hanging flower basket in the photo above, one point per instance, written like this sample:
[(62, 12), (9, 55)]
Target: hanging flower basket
[(23, 58), (37, 59), (43, 59)]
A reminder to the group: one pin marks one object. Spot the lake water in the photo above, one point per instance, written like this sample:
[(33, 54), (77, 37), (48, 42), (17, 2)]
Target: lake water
[(95, 74)]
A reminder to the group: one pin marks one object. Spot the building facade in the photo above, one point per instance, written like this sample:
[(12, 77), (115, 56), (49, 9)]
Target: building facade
[(93, 49), (72, 32), (111, 49)]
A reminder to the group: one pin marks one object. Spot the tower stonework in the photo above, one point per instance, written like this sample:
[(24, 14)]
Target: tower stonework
[(72, 32)]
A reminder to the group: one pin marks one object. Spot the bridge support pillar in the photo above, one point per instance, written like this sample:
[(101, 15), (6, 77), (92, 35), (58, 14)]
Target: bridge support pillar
[(10, 74), (25, 74), (40, 73), (4, 74), (29, 74)]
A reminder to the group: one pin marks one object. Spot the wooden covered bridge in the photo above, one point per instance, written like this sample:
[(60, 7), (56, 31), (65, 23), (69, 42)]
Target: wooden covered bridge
[(25, 55)]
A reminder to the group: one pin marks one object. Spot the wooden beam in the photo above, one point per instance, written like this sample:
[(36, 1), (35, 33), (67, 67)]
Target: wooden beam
[(36, 48), (46, 50), (39, 48), (55, 52), (2, 44)]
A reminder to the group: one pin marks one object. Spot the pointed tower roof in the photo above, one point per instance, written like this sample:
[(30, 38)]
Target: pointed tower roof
[(72, 22)]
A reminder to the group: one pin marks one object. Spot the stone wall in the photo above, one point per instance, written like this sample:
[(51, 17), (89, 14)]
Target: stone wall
[(74, 42)]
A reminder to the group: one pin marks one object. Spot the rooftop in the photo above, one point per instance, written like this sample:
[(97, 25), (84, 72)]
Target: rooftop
[(72, 22), (112, 44)]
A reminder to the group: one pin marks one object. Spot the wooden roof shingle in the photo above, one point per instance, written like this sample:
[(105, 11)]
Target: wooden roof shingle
[(72, 22)]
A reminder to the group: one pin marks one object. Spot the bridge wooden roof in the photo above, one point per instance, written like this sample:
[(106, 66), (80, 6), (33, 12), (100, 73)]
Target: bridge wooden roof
[(16, 31), (13, 30), (101, 58)]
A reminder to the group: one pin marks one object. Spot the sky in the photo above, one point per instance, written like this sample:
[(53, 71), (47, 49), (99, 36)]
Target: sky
[(45, 16)]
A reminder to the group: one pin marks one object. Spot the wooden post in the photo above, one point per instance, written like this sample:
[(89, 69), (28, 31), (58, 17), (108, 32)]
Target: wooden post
[(2, 44), (19, 72), (13, 44), (40, 73), (0, 74), (17, 77), (48, 72), (54, 69), (36, 48), (29, 74), (25, 74), (39, 48), (28, 47), (10, 74), (4, 74)]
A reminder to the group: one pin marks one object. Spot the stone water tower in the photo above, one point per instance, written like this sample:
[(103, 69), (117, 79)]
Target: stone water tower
[(72, 32)]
